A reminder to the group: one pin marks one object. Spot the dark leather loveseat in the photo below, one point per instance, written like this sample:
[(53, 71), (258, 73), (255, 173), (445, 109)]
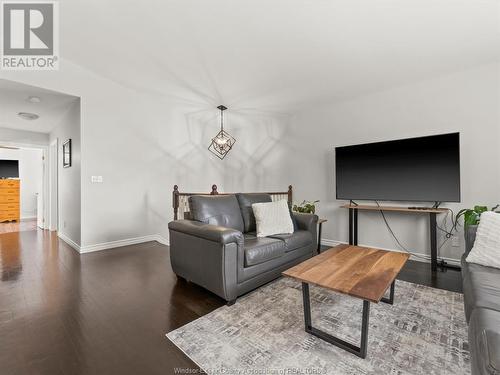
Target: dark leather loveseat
[(481, 286), (219, 250)]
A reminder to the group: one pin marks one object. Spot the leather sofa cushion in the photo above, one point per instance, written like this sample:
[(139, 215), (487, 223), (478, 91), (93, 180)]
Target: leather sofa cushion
[(481, 287), (245, 201), (262, 249), (295, 240), (221, 210), (484, 341)]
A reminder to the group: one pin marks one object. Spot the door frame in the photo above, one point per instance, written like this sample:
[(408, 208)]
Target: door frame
[(53, 186), (45, 177)]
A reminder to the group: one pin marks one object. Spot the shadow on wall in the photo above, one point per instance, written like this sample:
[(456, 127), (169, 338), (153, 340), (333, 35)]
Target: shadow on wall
[(259, 145), (179, 155), (173, 143)]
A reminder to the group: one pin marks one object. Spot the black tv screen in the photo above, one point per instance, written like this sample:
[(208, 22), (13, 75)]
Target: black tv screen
[(423, 169), (9, 169)]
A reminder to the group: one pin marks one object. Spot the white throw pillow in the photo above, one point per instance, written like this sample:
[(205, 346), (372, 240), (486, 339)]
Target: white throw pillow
[(486, 250), (272, 218)]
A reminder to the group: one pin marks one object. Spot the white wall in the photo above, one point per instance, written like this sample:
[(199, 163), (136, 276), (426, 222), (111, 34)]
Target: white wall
[(142, 145), (31, 176), (23, 137), (69, 179), (467, 102), (262, 141)]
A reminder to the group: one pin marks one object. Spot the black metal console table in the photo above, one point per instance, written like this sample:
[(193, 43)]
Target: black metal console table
[(432, 212)]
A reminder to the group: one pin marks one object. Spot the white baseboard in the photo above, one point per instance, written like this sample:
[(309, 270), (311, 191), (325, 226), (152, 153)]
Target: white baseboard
[(421, 257), (162, 240), (28, 217), (69, 241), (125, 242), (332, 243)]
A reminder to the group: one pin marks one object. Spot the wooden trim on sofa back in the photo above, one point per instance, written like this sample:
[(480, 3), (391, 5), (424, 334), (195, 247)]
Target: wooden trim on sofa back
[(181, 205)]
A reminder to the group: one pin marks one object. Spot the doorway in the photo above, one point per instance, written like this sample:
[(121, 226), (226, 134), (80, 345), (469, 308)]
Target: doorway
[(22, 174), (38, 118), (21, 188)]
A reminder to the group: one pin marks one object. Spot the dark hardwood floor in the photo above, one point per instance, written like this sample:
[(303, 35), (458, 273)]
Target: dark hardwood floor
[(105, 312), (100, 313), (420, 273)]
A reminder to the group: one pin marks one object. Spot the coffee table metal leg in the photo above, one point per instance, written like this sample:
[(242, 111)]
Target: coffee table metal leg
[(320, 226), (307, 306), (359, 351), (390, 300)]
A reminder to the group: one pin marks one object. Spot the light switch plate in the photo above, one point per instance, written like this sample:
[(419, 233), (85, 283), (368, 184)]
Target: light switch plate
[(96, 179)]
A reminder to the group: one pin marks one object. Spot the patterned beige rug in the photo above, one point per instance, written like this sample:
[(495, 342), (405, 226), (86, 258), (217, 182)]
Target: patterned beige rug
[(424, 332)]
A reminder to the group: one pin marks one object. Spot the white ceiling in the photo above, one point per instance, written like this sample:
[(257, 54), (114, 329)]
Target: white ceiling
[(13, 99), (277, 53)]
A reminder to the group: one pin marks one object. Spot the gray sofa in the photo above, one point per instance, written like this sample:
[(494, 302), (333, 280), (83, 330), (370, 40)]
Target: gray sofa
[(219, 250), (481, 286)]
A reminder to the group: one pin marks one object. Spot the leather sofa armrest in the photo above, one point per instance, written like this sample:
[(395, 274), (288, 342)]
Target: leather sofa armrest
[(208, 232), (306, 221)]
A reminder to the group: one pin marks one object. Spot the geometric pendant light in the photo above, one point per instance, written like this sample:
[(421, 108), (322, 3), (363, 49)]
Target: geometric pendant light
[(223, 142)]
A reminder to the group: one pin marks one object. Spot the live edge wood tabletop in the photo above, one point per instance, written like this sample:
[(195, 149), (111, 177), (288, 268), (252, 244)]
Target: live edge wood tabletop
[(9, 200), (360, 272)]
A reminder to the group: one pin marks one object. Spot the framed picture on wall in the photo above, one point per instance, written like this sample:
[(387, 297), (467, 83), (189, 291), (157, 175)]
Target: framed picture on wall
[(66, 154)]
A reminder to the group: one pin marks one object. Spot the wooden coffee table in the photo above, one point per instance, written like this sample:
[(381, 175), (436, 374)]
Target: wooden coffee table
[(360, 272)]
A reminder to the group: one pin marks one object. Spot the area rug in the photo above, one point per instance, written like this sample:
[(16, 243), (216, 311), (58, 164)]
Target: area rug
[(424, 332)]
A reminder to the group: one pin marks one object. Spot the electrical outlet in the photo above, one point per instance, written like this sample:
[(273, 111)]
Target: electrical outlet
[(96, 179), (455, 241)]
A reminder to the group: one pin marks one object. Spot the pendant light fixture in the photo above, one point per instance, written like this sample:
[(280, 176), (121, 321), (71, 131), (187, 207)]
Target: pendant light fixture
[(223, 142)]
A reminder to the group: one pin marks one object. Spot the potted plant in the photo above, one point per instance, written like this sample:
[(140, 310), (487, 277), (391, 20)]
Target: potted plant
[(472, 216), (306, 207)]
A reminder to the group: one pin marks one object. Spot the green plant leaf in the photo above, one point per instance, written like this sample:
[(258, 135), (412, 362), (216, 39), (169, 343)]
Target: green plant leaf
[(471, 217), (480, 209), (460, 214), (305, 207)]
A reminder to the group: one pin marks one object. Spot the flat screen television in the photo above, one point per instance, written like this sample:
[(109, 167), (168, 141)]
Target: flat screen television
[(424, 169), (9, 169)]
